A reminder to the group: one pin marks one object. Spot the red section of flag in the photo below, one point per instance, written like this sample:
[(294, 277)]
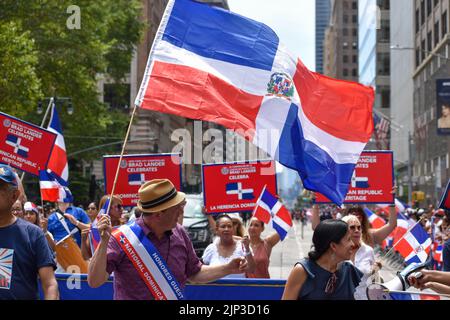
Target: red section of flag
[(193, 93), (336, 105)]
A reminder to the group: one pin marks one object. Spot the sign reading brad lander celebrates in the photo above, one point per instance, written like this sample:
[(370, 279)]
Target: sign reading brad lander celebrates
[(372, 180), (233, 187), (135, 170), (23, 145)]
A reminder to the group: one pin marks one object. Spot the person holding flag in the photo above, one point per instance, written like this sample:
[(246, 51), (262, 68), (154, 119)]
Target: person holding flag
[(261, 248), (152, 258), (65, 225), (90, 237)]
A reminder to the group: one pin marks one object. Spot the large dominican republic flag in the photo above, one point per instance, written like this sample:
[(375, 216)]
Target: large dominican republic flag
[(211, 64), (58, 158)]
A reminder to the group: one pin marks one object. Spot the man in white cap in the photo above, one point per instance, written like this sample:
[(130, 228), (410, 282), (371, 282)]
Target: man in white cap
[(152, 258), (24, 253)]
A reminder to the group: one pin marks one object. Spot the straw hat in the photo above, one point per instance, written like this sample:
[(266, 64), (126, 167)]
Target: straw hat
[(158, 195)]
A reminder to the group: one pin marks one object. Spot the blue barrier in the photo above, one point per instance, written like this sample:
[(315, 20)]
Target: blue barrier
[(75, 287)]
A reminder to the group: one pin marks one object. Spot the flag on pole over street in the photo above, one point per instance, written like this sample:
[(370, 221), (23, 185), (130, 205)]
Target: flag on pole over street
[(211, 64)]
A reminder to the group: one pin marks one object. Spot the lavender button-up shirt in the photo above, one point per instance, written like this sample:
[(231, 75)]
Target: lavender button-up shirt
[(176, 249)]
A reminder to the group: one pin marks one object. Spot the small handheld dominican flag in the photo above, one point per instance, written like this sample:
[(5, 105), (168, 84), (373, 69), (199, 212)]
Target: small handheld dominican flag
[(415, 245), (399, 295), (268, 207), (375, 220), (445, 200)]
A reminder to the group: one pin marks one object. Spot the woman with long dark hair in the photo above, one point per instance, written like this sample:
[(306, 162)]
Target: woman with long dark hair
[(325, 275)]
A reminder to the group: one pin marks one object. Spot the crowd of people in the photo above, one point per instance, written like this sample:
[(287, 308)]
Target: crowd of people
[(36, 240)]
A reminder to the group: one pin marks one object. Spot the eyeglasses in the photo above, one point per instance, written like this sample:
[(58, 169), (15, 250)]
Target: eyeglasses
[(92, 208), (331, 284), (355, 227)]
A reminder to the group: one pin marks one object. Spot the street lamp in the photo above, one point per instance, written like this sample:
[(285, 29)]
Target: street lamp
[(55, 101)]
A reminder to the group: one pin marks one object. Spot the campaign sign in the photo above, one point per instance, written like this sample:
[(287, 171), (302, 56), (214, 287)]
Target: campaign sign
[(24, 145), (136, 169), (235, 187), (372, 180), (445, 200)]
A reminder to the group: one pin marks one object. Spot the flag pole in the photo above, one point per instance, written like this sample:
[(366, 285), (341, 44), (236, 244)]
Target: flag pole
[(120, 159), (390, 250)]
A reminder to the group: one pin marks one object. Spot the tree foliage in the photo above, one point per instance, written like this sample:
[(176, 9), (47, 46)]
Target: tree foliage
[(40, 56)]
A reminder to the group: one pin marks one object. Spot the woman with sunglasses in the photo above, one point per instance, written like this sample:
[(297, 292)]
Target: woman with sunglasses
[(325, 274), (363, 257), (92, 211), (115, 214), (370, 236)]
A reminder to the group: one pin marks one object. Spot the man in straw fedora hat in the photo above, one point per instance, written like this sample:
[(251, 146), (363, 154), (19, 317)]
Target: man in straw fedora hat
[(153, 257)]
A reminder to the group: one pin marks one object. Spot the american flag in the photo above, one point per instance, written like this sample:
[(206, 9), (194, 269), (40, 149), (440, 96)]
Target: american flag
[(382, 129)]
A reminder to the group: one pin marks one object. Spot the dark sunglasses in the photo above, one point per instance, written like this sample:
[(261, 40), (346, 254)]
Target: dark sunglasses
[(118, 206), (331, 284), (354, 227)]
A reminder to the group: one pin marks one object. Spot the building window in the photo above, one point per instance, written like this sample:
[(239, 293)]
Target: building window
[(417, 57), (429, 42), (354, 73), (436, 33), (355, 59), (345, 72), (345, 32), (444, 24), (345, 18), (355, 32), (345, 59), (428, 7), (423, 48), (355, 18), (422, 12), (417, 20)]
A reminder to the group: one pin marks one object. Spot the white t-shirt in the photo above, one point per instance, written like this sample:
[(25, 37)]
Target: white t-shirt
[(364, 259), (211, 257)]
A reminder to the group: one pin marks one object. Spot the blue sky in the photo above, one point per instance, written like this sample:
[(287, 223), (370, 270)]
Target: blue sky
[(292, 20)]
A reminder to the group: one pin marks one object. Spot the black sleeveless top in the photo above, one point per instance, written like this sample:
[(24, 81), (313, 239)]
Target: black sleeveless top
[(348, 278)]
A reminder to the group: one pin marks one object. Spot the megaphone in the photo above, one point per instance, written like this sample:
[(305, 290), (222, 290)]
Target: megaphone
[(380, 291)]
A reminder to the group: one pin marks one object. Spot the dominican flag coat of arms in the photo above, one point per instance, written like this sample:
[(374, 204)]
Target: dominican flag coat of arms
[(211, 64)]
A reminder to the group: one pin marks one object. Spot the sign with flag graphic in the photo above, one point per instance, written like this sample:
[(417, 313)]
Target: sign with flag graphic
[(234, 187), (415, 245), (269, 208), (214, 65), (445, 200), (23, 145), (136, 169), (367, 185)]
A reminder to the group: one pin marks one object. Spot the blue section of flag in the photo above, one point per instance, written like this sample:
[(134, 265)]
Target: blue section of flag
[(196, 27), (281, 232), (55, 124), (316, 168), (268, 199), (12, 138), (248, 195), (232, 186), (362, 184), (136, 178), (400, 296)]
